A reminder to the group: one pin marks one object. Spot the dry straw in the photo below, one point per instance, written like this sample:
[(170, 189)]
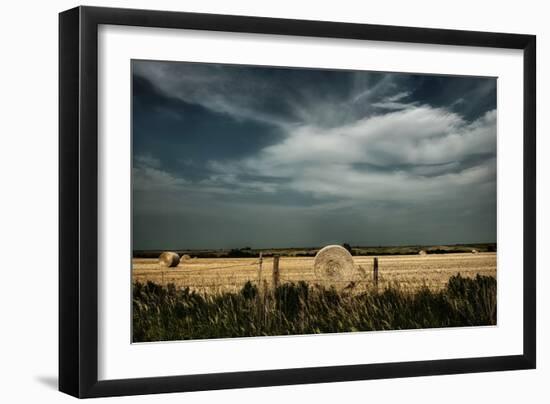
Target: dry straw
[(169, 259), (184, 257), (334, 263)]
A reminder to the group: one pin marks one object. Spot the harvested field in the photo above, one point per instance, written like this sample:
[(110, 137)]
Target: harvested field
[(217, 275)]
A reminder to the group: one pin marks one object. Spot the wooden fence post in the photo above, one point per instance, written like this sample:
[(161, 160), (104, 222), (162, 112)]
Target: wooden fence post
[(260, 271), (260, 294), (275, 271), (375, 272)]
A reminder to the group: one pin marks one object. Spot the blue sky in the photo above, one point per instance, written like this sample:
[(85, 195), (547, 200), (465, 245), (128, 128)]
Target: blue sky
[(229, 156)]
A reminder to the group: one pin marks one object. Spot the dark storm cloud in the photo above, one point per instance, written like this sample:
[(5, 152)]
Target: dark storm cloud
[(182, 135), (228, 155)]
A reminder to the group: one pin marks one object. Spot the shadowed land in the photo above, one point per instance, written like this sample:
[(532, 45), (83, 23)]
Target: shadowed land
[(168, 313)]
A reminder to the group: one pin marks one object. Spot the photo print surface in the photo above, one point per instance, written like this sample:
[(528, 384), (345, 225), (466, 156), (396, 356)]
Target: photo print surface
[(273, 201)]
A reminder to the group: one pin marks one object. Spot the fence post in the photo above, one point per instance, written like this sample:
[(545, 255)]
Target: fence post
[(275, 271), (260, 295), (260, 271), (375, 272)]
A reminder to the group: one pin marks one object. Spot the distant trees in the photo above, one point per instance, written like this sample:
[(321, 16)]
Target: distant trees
[(348, 247), (240, 253)]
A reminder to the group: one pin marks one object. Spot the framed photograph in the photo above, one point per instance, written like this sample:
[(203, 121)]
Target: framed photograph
[(251, 201)]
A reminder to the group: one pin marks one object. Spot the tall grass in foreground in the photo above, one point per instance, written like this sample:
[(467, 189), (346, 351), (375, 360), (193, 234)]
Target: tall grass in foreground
[(166, 313)]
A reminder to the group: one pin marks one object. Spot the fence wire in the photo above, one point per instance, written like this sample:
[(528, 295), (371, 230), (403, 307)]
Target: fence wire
[(204, 275)]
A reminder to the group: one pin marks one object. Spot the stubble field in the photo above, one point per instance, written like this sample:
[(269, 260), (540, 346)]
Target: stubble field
[(409, 272)]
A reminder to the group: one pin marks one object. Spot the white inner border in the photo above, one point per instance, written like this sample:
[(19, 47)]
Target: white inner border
[(118, 358)]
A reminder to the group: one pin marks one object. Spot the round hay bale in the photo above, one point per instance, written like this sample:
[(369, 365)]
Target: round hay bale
[(333, 262), (184, 258), (169, 259), (422, 252), (474, 251)]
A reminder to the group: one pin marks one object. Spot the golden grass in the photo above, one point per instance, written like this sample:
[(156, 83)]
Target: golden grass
[(215, 275)]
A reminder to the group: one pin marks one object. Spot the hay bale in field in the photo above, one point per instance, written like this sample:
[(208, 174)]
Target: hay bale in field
[(474, 251), (169, 259), (333, 262), (185, 257), (422, 252)]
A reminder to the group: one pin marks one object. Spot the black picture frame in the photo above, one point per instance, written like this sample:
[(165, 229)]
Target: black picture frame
[(78, 201)]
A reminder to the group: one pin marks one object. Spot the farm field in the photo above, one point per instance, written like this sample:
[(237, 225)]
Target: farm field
[(408, 272)]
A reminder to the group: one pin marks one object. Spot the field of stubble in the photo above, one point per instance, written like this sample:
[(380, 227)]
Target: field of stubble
[(409, 272)]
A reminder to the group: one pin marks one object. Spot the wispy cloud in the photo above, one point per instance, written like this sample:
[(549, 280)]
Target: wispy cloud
[(148, 176)]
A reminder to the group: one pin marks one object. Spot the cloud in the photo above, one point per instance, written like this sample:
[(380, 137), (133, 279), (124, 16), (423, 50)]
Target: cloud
[(281, 97), (390, 105), (410, 154), (146, 160), (398, 96), (148, 176), (419, 152), (215, 87)]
